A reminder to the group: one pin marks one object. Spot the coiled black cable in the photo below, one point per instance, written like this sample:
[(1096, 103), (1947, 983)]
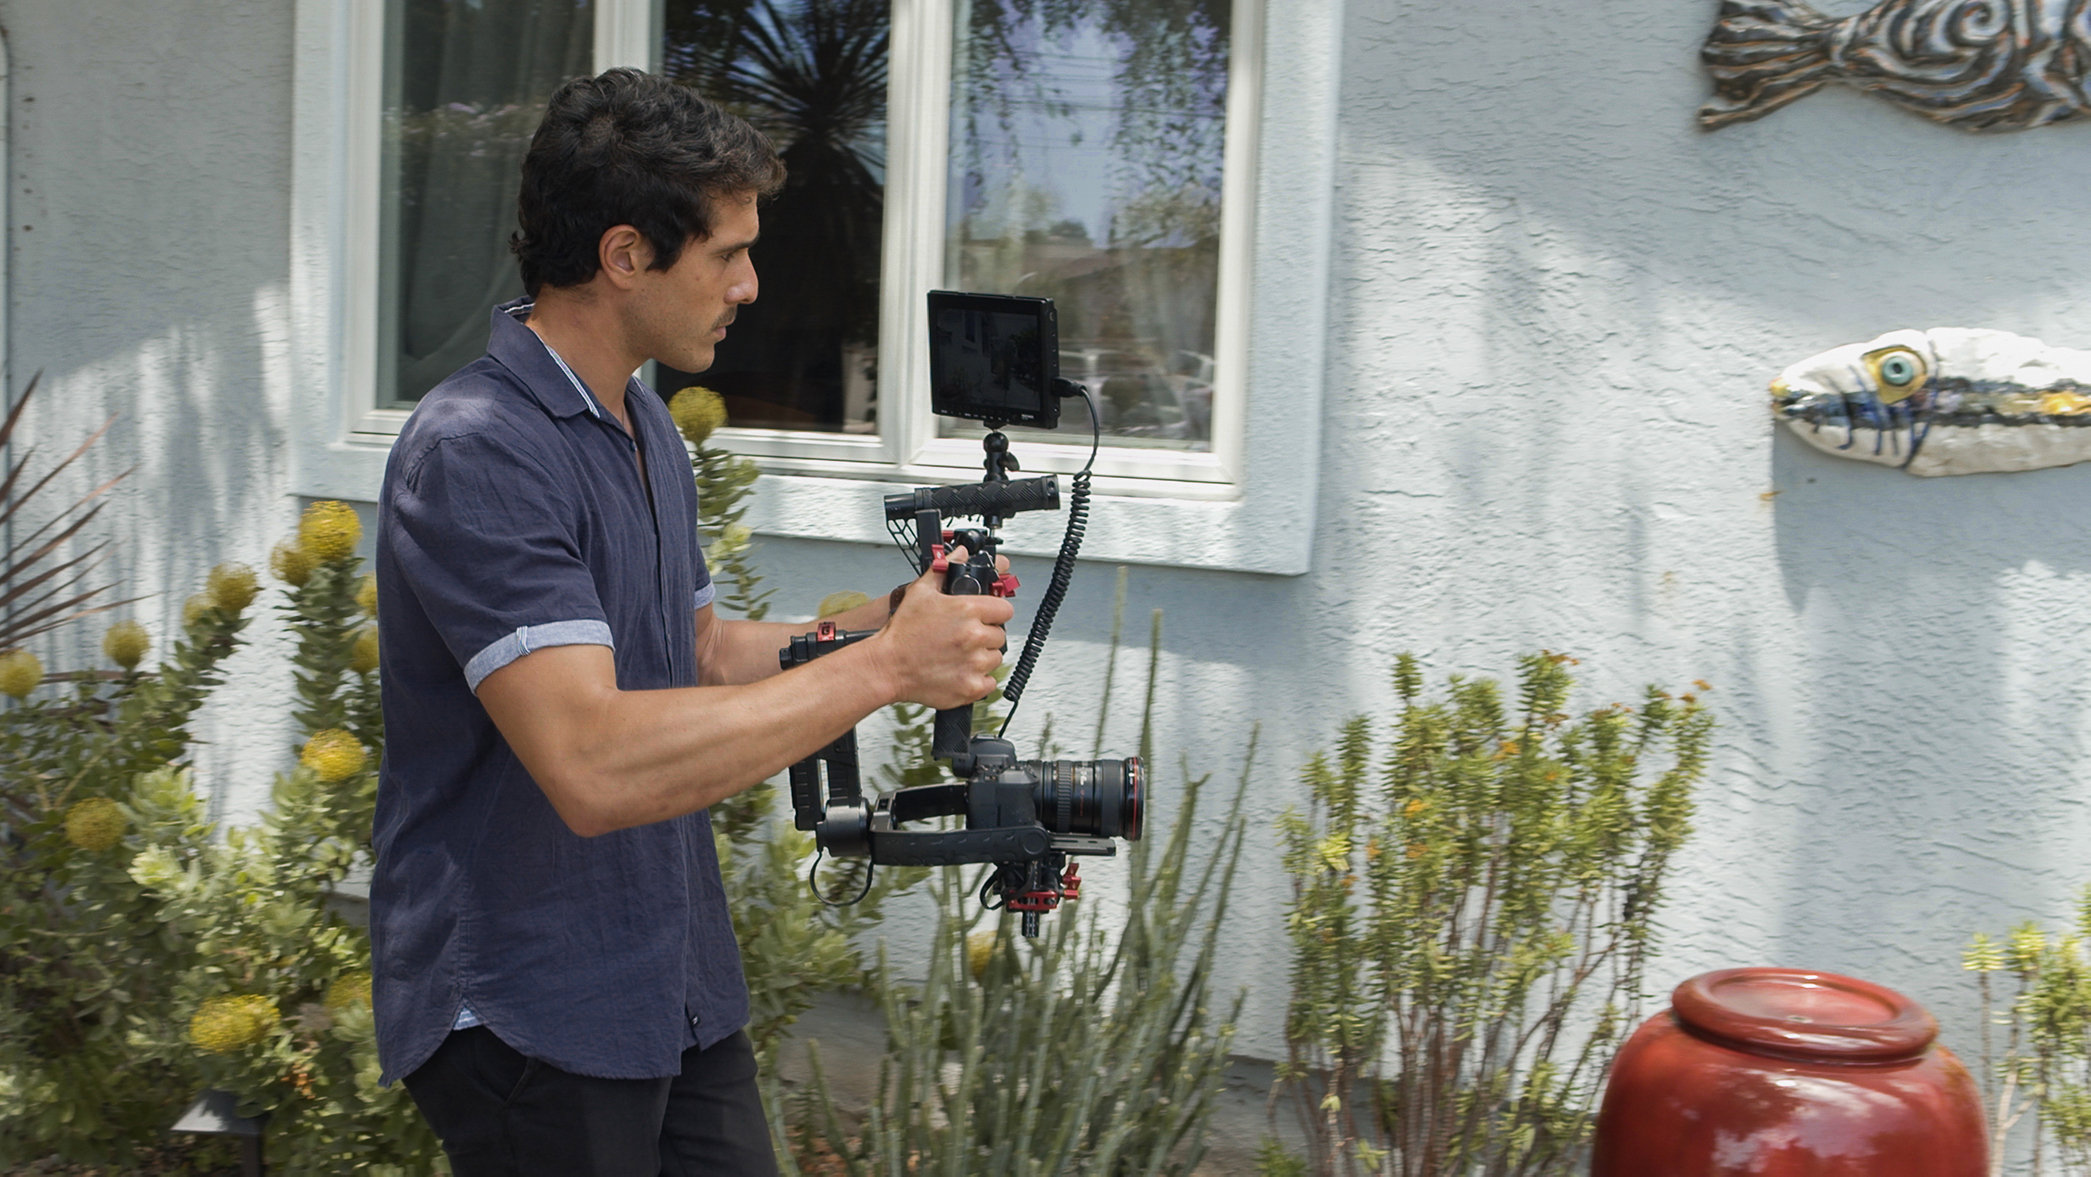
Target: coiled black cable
[(1063, 569)]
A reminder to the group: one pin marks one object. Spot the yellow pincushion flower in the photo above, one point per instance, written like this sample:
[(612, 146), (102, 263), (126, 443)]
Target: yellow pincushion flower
[(224, 1024), (841, 602), (95, 824), (20, 672), (291, 563), (334, 754), (980, 949), (329, 531), (367, 594), (697, 412), (363, 655), (348, 989), (232, 587), (195, 607), (126, 643)]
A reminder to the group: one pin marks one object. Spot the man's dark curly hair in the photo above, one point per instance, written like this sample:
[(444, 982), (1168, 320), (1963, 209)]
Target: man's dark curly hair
[(629, 148)]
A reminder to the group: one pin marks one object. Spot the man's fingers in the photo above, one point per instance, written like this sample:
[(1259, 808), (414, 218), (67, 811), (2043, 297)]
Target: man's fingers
[(948, 646)]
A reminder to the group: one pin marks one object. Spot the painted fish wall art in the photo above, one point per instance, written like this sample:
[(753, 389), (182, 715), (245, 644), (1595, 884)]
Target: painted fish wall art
[(1950, 400), (1980, 65)]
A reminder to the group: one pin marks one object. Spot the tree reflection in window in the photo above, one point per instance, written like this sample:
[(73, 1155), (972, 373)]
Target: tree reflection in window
[(812, 75), (1087, 143)]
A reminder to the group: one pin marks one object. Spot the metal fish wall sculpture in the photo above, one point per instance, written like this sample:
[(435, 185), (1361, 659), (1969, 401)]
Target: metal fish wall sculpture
[(1981, 65), (1949, 400)]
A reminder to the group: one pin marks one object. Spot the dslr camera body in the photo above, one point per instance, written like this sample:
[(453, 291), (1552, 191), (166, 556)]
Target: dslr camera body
[(994, 359)]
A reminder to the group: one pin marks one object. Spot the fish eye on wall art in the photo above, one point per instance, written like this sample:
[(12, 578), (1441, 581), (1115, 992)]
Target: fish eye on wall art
[(1980, 65), (1950, 400)]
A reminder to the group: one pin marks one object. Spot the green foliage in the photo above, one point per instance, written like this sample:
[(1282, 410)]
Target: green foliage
[(1470, 919), (124, 916), (82, 956), (325, 619), (251, 917), (723, 483), (1273, 1159), (2045, 1065)]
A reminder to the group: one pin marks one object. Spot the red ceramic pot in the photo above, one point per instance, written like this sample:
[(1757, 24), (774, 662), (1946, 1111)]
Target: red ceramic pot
[(1788, 1073)]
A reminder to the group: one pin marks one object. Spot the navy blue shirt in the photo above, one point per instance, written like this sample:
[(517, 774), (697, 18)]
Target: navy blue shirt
[(513, 518)]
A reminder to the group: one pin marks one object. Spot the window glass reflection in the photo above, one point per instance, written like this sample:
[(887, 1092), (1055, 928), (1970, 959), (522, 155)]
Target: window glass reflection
[(812, 75), (1087, 141), (465, 87)]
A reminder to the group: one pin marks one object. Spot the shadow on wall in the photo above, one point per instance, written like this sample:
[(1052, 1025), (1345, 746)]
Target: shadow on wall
[(1949, 676), (199, 414)]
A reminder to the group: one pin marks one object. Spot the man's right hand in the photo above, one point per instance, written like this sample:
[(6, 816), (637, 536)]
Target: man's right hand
[(942, 650)]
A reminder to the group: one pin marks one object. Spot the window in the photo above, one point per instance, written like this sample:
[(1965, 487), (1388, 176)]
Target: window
[(465, 86), (1104, 154), (1086, 163), (813, 75)]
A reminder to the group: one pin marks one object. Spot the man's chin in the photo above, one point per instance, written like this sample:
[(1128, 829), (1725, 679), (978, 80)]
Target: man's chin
[(694, 362)]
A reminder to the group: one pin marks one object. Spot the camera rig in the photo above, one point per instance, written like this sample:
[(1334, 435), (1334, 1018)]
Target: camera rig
[(1029, 819)]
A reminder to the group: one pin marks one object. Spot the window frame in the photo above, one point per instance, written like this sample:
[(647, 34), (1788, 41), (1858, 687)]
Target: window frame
[(1246, 505)]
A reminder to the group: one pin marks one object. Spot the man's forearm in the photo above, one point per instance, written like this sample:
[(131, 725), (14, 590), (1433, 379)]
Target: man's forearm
[(608, 759), (626, 758)]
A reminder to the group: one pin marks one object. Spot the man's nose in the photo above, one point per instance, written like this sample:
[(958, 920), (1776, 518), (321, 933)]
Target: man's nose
[(744, 290)]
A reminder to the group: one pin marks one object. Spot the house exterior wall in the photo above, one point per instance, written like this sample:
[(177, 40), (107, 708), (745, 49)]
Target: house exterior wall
[(149, 255), (1554, 308)]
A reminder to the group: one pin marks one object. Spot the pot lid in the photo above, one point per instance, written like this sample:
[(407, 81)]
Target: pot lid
[(1799, 1012)]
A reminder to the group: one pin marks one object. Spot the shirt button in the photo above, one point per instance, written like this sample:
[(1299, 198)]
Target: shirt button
[(696, 1020)]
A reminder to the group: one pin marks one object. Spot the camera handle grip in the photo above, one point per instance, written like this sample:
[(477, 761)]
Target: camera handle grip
[(953, 732)]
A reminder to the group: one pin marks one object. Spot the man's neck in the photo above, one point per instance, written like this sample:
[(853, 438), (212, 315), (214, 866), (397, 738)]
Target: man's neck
[(587, 337)]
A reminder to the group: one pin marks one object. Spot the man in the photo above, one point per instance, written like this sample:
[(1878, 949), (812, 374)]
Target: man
[(556, 977)]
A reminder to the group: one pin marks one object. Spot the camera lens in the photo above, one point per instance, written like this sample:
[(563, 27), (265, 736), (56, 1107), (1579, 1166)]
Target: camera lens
[(1103, 798)]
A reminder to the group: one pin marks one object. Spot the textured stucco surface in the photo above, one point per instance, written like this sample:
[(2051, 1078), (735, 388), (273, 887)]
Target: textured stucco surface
[(1554, 307), (149, 253)]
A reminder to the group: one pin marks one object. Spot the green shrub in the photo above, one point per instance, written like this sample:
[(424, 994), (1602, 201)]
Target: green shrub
[(83, 954), (146, 956), (1468, 937), (2044, 1069)]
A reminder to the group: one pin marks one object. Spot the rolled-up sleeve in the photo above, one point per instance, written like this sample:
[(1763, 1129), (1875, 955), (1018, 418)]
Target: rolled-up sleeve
[(493, 556)]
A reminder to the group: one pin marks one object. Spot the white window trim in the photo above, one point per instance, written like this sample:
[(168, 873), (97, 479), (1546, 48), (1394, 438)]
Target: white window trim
[(1247, 506)]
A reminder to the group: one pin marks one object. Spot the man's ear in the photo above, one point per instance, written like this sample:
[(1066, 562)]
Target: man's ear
[(623, 253)]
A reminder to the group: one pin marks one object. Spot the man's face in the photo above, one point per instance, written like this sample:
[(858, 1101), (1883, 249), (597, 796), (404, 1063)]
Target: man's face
[(681, 312)]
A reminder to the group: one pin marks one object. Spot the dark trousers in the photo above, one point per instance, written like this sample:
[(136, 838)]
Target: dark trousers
[(500, 1113)]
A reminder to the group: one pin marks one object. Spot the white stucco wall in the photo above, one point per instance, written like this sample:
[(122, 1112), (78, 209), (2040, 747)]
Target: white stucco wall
[(149, 254), (1554, 309)]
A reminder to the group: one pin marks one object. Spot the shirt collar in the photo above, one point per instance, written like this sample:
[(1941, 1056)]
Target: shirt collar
[(540, 369)]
